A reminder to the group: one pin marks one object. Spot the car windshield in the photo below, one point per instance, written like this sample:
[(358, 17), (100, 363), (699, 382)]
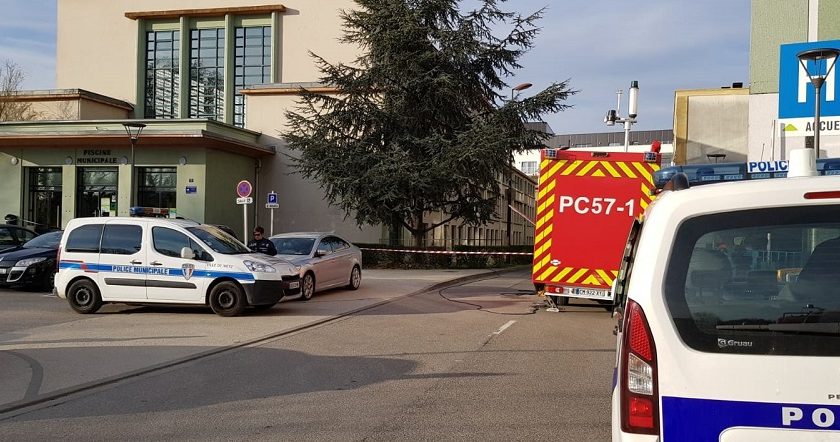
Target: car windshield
[(293, 246), (218, 240), (758, 281), (49, 240)]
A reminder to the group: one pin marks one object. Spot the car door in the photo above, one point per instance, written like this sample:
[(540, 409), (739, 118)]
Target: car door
[(325, 265), (122, 260), (343, 259), (172, 278)]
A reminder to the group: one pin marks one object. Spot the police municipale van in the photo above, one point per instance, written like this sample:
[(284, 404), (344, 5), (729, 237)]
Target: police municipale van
[(166, 261), (728, 307)]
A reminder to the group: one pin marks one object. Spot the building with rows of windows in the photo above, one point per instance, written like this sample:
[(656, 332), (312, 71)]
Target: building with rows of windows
[(211, 80)]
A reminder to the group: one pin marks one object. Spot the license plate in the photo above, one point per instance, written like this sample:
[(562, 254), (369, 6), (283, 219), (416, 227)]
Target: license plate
[(294, 285), (2, 271), (589, 293)]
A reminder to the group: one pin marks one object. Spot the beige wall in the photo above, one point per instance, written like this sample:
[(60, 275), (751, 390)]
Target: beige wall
[(111, 44), (75, 108), (56, 110), (711, 121), (302, 203), (93, 110)]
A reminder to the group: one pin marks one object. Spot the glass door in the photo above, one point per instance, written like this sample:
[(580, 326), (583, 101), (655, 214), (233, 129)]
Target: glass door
[(44, 208), (97, 192)]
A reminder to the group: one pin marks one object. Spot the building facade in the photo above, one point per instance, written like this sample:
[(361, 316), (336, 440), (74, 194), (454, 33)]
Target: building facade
[(775, 24), (211, 81)]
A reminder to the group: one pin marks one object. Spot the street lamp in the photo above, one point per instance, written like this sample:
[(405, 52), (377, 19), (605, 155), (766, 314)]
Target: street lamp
[(133, 130), (514, 92), (518, 88), (823, 61)]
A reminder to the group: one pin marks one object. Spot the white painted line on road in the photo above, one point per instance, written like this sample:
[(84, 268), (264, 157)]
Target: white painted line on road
[(504, 327)]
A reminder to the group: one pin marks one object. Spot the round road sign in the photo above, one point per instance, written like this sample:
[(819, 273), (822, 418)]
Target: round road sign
[(244, 188)]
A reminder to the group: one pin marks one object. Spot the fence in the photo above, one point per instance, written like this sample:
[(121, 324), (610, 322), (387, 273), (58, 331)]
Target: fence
[(379, 256)]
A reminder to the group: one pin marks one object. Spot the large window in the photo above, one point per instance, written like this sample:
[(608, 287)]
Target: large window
[(156, 187), (207, 73), (758, 282), (202, 88), (162, 74), (252, 64)]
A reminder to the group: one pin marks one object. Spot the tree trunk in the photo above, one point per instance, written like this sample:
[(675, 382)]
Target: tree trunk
[(418, 232)]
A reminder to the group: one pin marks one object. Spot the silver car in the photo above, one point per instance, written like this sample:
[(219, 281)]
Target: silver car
[(325, 260)]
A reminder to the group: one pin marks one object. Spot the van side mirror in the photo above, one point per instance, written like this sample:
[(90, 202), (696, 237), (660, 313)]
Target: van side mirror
[(187, 253)]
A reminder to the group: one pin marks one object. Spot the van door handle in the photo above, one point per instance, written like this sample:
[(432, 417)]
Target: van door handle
[(134, 261), (155, 263)]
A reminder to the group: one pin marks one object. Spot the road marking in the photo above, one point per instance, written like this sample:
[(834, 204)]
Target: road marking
[(504, 327)]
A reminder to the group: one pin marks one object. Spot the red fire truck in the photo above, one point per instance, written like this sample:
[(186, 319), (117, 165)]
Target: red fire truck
[(586, 203)]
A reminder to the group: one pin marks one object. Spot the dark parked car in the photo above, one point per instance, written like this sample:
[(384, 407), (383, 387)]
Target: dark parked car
[(12, 236), (32, 264)]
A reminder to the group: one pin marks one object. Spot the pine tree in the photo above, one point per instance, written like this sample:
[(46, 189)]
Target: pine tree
[(419, 124)]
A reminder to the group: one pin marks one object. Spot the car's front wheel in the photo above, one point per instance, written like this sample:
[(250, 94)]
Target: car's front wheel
[(227, 299), (83, 296), (307, 287)]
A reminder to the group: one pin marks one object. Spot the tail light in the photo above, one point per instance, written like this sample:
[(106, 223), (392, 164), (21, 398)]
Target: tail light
[(58, 259), (639, 386)]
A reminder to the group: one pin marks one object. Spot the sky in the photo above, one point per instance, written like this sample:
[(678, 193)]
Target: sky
[(598, 46)]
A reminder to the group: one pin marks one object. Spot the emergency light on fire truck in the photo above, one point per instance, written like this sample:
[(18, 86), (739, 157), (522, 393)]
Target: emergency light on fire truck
[(752, 170)]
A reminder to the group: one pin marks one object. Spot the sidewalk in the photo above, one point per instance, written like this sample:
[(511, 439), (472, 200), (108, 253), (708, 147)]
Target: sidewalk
[(48, 362)]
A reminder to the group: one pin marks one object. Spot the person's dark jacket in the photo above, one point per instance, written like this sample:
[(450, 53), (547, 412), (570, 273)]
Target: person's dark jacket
[(262, 245)]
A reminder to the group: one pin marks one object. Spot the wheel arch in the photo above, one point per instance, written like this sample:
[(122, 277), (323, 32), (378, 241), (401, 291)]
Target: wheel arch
[(216, 282), (79, 278)]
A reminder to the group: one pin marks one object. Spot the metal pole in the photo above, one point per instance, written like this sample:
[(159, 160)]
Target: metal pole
[(131, 174), (817, 90), (627, 135), (271, 229), (245, 223)]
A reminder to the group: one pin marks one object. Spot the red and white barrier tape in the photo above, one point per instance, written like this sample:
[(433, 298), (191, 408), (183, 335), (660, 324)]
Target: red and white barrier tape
[(450, 252)]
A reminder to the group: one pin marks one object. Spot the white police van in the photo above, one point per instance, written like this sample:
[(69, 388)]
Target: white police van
[(152, 260), (728, 302)]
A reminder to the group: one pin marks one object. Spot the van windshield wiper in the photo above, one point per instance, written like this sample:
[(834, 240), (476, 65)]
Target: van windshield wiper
[(810, 319), (823, 328)]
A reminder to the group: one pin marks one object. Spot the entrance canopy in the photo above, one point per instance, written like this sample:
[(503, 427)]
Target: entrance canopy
[(208, 134)]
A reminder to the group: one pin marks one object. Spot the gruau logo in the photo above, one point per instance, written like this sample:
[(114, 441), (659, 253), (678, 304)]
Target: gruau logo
[(188, 270)]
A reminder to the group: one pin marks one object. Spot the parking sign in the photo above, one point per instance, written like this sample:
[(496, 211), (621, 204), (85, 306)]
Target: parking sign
[(796, 93), (272, 198)]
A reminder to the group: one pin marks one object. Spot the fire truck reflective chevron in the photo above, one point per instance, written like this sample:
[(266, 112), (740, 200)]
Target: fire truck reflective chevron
[(586, 203)]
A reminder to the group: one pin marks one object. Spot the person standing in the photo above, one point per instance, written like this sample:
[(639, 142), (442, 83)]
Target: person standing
[(261, 244)]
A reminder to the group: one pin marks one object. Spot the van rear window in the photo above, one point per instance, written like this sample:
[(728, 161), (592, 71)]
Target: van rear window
[(84, 239), (758, 282)]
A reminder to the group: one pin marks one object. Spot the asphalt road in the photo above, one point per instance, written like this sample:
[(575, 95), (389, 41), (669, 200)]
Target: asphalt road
[(476, 361)]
